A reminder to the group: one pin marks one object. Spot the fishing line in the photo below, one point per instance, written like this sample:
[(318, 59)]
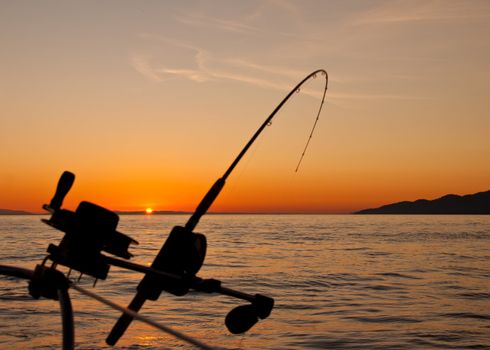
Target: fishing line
[(143, 319), (313, 128)]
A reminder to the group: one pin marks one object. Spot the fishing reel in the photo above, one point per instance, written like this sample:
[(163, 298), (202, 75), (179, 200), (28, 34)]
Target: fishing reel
[(89, 230), (183, 255)]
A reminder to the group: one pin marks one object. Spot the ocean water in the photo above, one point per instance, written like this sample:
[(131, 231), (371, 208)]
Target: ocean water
[(339, 282)]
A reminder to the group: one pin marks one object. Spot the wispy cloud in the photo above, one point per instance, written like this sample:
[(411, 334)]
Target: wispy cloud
[(208, 62), (141, 65), (364, 96), (207, 66), (228, 25), (264, 68), (403, 11), (191, 74), (256, 24)]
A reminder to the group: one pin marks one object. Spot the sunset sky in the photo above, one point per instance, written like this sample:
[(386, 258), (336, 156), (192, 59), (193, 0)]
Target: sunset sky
[(148, 102)]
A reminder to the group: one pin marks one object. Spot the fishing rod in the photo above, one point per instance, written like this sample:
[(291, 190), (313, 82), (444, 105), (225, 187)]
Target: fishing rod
[(183, 242)]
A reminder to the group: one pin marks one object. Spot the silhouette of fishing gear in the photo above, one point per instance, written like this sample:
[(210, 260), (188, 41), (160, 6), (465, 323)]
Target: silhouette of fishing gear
[(91, 231)]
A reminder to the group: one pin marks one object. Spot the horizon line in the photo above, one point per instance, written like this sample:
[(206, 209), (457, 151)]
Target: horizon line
[(176, 212)]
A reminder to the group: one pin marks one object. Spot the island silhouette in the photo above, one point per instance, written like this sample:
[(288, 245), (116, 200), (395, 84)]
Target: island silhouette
[(477, 203)]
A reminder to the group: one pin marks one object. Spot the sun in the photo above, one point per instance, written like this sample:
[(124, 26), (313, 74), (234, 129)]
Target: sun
[(149, 211)]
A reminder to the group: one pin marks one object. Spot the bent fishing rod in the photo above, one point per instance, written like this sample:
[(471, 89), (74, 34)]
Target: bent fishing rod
[(184, 251)]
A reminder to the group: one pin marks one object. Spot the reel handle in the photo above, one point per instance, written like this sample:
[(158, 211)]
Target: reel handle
[(64, 185)]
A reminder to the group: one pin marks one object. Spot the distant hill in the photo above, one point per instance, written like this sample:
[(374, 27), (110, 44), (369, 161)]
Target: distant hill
[(478, 203), (13, 212)]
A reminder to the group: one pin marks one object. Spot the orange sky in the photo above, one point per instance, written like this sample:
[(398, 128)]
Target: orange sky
[(149, 102)]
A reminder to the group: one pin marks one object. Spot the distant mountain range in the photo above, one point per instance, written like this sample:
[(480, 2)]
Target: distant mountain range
[(478, 203), (13, 212)]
